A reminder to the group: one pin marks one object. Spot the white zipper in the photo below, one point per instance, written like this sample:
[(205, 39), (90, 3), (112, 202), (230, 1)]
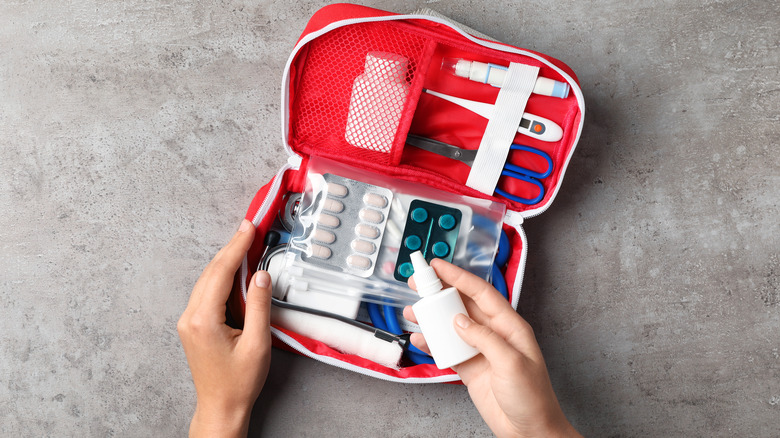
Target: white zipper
[(518, 283), (515, 220), (292, 163)]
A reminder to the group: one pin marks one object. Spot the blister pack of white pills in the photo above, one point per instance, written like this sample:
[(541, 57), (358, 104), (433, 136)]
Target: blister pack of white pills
[(341, 224)]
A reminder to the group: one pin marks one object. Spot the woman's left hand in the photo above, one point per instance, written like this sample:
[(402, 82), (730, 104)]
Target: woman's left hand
[(228, 366)]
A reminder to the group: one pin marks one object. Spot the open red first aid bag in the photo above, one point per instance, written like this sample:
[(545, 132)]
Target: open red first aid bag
[(405, 136)]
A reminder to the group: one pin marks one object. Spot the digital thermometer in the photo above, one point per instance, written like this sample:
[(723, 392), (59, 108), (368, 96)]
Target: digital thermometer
[(530, 125)]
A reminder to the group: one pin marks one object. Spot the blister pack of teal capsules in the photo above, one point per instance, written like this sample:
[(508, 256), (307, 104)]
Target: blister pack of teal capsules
[(356, 229), (432, 229)]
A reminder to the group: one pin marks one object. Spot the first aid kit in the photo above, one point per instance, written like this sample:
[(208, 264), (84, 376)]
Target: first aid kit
[(409, 138)]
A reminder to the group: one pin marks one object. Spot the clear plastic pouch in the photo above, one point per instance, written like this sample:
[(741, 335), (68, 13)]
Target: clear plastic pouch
[(355, 229)]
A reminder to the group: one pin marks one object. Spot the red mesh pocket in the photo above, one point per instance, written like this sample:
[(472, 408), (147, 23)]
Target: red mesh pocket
[(382, 64)]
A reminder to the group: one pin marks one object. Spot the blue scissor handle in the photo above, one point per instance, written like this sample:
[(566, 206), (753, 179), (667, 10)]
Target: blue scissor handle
[(517, 198), (524, 171), (526, 175)]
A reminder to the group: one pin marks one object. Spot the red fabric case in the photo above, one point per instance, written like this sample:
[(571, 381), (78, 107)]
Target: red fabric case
[(315, 100)]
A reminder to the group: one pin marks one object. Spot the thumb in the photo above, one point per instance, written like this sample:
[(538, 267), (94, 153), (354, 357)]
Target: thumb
[(489, 343), (257, 319)]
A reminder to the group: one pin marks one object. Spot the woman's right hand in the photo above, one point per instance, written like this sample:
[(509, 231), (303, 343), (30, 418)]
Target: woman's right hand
[(508, 381)]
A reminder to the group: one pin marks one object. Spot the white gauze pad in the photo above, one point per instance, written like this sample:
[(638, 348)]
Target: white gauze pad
[(377, 101)]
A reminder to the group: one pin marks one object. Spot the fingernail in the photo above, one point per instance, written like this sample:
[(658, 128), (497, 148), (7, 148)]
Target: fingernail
[(462, 320), (244, 227), (262, 279)]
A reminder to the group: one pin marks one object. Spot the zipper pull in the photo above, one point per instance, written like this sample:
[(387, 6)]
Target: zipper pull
[(294, 161), (513, 218)]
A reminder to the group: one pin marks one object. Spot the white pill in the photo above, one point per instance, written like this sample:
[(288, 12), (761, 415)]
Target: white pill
[(367, 231), (328, 220), (333, 205), (363, 246), (321, 252), (370, 215), (324, 236), (375, 200), (359, 262), (337, 190)]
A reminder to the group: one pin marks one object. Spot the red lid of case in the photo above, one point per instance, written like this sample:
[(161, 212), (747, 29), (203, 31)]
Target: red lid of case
[(330, 58)]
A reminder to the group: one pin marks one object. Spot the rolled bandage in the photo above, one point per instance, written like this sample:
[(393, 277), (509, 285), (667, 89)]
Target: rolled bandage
[(339, 335)]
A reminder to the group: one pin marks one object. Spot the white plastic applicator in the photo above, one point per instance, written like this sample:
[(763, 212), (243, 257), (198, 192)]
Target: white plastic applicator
[(435, 313), (494, 75)]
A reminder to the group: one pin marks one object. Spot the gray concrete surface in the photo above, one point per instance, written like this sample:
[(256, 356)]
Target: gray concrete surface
[(133, 135)]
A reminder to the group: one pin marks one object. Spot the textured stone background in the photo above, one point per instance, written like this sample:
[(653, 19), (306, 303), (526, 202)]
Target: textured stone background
[(133, 135)]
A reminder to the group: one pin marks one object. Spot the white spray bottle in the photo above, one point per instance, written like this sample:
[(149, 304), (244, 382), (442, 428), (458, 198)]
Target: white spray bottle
[(435, 313)]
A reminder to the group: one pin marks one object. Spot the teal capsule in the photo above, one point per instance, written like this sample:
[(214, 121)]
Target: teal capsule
[(419, 215), (413, 242), (406, 270), (440, 249), (447, 222)]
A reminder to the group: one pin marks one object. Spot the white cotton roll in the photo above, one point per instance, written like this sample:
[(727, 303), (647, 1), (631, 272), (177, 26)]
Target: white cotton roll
[(339, 335)]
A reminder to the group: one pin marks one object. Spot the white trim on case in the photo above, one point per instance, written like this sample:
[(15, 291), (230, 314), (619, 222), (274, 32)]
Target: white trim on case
[(262, 211)]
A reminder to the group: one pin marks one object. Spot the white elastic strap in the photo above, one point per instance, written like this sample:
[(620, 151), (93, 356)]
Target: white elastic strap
[(502, 127)]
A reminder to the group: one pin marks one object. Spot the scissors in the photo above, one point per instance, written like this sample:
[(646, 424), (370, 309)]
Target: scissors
[(510, 170)]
